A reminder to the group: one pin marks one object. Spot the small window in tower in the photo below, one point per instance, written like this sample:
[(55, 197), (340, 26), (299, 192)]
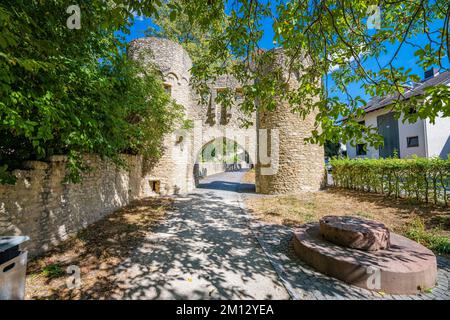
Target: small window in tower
[(168, 88), (239, 95), (412, 141), (179, 139), (155, 185)]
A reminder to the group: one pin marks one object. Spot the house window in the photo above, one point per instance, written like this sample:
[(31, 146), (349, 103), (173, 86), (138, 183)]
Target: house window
[(412, 142), (361, 149), (362, 123)]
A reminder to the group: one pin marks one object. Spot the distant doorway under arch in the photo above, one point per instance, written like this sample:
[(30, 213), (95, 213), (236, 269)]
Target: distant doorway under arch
[(220, 155)]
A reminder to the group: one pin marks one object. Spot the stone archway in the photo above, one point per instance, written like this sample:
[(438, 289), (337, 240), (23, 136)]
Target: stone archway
[(221, 154), (283, 165)]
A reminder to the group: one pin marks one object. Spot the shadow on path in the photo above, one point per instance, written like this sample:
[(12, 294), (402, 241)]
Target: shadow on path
[(232, 182), (203, 250)]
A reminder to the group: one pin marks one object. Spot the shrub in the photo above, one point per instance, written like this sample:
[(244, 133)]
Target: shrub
[(65, 91), (421, 179)]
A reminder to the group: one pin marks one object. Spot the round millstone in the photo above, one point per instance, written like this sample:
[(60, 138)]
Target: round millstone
[(356, 233), (405, 268)]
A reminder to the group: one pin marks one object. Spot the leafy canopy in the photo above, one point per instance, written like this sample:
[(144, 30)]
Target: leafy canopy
[(334, 35), (74, 91)]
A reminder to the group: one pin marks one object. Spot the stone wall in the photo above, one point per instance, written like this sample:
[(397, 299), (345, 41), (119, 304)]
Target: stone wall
[(217, 121), (48, 210)]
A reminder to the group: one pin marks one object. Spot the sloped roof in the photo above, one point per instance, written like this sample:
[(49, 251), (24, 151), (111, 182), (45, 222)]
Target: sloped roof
[(378, 103)]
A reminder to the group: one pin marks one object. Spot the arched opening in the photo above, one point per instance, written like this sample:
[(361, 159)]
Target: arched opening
[(221, 155)]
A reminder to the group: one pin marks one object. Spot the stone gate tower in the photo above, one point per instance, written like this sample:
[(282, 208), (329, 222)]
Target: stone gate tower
[(172, 173), (298, 166)]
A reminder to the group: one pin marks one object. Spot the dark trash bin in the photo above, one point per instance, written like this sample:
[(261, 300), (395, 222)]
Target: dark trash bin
[(13, 265)]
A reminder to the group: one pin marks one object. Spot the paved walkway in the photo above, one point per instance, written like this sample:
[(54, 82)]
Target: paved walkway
[(203, 250), (209, 248)]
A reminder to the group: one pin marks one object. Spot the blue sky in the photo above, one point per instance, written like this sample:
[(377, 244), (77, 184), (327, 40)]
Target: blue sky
[(405, 58)]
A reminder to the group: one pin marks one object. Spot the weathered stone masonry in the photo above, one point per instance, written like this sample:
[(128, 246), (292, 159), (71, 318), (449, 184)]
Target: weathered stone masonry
[(299, 166), (43, 207), (48, 210)]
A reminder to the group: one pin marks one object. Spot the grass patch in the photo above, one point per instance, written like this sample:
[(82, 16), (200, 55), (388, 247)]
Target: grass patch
[(365, 215), (52, 271), (430, 238), (307, 217), (399, 215)]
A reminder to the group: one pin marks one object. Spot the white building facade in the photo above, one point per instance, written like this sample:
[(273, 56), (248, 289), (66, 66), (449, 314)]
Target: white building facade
[(421, 138)]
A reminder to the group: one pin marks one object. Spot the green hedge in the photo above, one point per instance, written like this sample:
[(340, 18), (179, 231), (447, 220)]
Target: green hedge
[(426, 180)]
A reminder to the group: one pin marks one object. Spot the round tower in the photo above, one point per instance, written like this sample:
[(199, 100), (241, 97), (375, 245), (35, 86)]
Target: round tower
[(286, 164), (172, 173)]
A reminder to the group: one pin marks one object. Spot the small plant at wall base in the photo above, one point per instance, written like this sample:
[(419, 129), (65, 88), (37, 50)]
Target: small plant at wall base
[(5, 176), (422, 179), (53, 270)]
